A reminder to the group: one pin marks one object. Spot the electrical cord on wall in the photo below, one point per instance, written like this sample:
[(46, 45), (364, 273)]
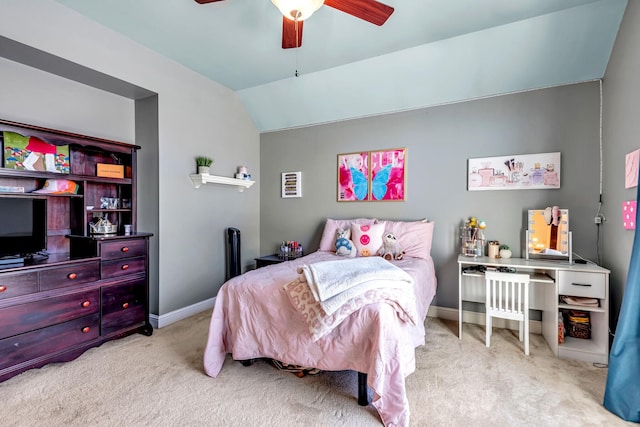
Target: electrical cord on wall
[(599, 218)]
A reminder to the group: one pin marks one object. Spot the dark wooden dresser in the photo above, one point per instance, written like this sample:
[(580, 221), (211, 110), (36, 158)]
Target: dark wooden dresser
[(83, 288)]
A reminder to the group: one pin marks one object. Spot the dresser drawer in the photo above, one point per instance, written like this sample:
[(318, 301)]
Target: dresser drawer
[(69, 275), (12, 285), (123, 249), (123, 266), (39, 314), (24, 347), (580, 284), (123, 306)]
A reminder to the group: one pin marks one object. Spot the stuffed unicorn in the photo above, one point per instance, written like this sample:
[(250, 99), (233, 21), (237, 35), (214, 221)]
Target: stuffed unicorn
[(344, 245)]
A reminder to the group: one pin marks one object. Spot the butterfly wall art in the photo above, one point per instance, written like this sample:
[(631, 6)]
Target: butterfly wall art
[(372, 175)]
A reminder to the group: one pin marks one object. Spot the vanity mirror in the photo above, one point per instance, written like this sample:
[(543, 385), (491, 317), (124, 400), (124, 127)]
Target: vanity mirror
[(548, 235)]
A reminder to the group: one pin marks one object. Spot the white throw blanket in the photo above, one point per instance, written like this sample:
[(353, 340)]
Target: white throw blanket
[(332, 283)]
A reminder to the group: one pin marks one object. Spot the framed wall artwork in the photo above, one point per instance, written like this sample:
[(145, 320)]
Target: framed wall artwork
[(353, 177), (514, 172), (631, 169), (291, 184), (387, 174), (629, 214), (372, 176)]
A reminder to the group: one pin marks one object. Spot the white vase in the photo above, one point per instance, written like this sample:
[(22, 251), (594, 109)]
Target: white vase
[(505, 253), (203, 170)]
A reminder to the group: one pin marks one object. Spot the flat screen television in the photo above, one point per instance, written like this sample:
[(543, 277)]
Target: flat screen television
[(23, 226)]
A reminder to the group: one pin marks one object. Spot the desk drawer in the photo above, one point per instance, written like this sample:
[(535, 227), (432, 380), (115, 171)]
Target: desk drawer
[(12, 285), (123, 248), (69, 275), (580, 284)]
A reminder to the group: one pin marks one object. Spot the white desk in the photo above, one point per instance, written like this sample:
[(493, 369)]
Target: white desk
[(549, 280)]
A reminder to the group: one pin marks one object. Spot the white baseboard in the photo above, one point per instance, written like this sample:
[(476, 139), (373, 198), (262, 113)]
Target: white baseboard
[(535, 326), (169, 318), (446, 313)]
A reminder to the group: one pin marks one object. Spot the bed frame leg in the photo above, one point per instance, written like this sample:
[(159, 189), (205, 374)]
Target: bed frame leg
[(363, 399)]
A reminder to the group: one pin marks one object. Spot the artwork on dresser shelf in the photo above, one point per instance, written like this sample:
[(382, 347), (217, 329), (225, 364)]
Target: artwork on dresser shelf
[(629, 214), (34, 154), (514, 172), (631, 169)]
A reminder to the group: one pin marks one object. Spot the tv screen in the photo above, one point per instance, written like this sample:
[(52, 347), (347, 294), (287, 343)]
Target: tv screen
[(23, 226)]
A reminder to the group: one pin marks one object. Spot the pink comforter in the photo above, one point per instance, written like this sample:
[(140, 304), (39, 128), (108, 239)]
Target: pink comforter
[(253, 318)]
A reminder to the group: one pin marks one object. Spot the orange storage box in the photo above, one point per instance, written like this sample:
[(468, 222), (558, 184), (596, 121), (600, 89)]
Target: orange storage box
[(110, 171)]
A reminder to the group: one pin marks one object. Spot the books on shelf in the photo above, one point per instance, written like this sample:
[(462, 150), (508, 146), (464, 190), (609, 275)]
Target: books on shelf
[(584, 301), (11, 189)]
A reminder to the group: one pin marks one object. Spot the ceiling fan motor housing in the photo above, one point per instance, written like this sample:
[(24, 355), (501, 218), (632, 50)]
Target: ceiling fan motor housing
[(297, 10)]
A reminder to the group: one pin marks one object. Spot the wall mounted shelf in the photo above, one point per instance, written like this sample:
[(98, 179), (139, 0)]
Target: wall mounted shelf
[(202, 178)]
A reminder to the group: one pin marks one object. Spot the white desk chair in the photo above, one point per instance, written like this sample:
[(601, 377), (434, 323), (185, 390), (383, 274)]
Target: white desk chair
[(507, 297)]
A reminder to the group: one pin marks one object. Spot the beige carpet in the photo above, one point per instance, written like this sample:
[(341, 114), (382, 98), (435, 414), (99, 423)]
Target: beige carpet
[(159, 381)]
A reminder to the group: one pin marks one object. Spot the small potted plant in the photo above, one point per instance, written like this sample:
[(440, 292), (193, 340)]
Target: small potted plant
[(204, 163)]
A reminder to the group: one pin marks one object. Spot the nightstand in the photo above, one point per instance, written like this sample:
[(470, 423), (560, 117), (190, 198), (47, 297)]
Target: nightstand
[(268, 260)]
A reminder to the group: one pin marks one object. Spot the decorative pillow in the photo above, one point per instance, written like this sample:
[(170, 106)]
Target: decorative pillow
[(367, 238), (413, 236), (328, 240)]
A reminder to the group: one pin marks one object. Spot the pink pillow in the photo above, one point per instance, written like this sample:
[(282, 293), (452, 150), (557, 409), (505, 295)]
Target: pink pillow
[(328, 240), (367, 238), (414, 237)]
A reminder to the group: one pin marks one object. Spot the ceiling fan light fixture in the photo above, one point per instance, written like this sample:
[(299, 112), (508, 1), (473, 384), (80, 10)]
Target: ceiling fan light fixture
[(297, 10)]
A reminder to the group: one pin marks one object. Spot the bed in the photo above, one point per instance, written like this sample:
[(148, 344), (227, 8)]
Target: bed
[(259, 315)]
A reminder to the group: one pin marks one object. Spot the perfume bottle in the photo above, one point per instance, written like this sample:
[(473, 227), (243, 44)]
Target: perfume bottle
[(486, 173), (551, 176), (537, 175), (475, 179), (498, 180)]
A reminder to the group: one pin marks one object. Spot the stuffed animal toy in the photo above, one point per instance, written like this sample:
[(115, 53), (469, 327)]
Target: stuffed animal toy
[(344, 245), (390, 248)]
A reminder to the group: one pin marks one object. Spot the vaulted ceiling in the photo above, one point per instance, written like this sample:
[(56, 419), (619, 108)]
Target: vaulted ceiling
[(429, 52)]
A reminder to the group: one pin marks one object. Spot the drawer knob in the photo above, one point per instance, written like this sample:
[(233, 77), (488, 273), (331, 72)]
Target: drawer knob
[(125, 305), (586, 285), (125, 266), (72, 276), (86, 303), (125, 249), (3, 288), (86, 329)]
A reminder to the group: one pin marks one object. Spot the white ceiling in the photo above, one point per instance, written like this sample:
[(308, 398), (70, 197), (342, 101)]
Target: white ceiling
[(429, 52)]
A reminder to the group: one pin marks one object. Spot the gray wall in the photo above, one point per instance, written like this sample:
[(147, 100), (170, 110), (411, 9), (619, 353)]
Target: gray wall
[(195, 116), (439, 142), (148, 191), (620, 134), (440, 139), (191, 115)]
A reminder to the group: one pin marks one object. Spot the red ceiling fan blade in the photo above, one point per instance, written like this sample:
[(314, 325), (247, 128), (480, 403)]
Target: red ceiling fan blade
[(290, 37), (206, 1), (369, 10)]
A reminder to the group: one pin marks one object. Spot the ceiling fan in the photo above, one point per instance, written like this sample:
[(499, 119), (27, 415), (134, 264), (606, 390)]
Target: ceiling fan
[(294, 12)]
